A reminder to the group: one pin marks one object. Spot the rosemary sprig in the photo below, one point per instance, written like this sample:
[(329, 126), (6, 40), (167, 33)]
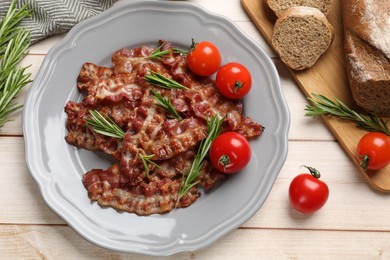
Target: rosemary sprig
[(161, 81), (179, 51), (167, 105), (158, 53), (8, 25), (14, 42), (145, 160), (104, 125), (190, 180), (325, 106)]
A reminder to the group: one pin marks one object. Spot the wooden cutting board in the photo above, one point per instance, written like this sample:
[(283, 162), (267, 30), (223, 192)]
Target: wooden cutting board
[(327, 77)]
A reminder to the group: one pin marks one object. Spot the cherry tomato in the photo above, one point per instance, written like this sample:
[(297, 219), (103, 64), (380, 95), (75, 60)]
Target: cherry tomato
[(233, 80), (204, 58), (230, 152), (373, 151), (307, 193)]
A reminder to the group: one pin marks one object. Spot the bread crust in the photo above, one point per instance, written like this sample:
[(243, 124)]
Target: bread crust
[(278, 6), (367, 53)]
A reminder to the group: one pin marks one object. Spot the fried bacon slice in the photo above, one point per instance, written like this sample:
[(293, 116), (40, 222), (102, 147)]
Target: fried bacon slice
[(156, 196), (122, 93)]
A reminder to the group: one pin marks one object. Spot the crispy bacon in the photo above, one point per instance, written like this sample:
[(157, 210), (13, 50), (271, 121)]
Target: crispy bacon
[(122, 93), (157, 196)]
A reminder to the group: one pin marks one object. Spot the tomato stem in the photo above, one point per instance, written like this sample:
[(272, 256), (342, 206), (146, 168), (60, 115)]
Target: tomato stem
[(224, 160), (365, 159), (313, 171), (238, 85), (193, 44)]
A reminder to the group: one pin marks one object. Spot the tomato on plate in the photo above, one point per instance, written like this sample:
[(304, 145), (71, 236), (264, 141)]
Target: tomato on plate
[(373, 151), (230, 152), (307, 193), (204, 58), (233, 80)]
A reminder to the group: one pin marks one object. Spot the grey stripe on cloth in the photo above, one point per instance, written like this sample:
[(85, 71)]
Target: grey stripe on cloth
[(56, 16)]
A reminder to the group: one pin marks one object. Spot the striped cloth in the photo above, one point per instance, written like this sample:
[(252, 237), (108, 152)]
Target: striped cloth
[(56, 16)]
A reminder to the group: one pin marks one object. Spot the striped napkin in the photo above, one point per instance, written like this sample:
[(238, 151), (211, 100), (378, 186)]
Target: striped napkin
[(56, 16)]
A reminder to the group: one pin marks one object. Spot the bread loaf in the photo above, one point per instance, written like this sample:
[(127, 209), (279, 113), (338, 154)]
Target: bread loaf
[(301, 35), (367, 53), (278, 6)]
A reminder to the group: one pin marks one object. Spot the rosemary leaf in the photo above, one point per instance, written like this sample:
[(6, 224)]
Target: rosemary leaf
[(12, 86), (167, 105), (190, 180), (158, 53), (324, 106), (145, 160), (104, 125), (161, 81), (8, 25), (14, 42), (179, 51)]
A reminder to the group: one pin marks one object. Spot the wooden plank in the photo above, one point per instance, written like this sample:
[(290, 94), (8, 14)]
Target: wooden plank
[(61, 242), (327, 77), (24, 204), (21, 200)]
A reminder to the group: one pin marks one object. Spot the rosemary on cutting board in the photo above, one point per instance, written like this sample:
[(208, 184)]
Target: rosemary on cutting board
[(14, 42), (324, 106)]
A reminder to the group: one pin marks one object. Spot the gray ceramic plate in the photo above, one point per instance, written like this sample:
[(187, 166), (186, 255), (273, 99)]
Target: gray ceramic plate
[(57, 167)]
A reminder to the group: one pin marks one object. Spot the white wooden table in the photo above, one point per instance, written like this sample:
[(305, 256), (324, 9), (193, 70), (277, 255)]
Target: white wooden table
[(354, 224)]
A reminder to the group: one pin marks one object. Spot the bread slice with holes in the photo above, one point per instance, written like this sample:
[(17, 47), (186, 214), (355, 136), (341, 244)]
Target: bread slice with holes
[(278, 6), (301, 35)]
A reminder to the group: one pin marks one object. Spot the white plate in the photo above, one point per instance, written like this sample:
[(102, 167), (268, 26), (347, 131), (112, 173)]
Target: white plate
[(57, 167)]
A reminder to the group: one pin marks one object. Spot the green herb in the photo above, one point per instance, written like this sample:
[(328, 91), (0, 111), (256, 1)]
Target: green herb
[(179, 51), (104, 125), (145, 160), (167, 105), (161, 81), (158, 53), (324, 106), (190, 180), (14, 42)]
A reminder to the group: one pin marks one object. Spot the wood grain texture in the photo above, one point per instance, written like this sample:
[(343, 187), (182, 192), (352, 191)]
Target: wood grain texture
[(354, 223), (327, 77), (56, 242)]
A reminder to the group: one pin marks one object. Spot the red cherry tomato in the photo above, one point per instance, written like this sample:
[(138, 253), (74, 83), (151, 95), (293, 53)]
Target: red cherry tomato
[(307, 193), (204, 58), (230, 152), (373, 151), (233, 80)]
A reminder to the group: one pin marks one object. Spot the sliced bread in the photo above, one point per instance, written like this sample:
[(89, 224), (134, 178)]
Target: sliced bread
[(301, 35), (278, 6)]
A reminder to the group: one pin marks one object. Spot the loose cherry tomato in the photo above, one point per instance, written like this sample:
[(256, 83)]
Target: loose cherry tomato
[(204, 58), (307, 193), (230, 152), (373, 151), (233, 80)]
